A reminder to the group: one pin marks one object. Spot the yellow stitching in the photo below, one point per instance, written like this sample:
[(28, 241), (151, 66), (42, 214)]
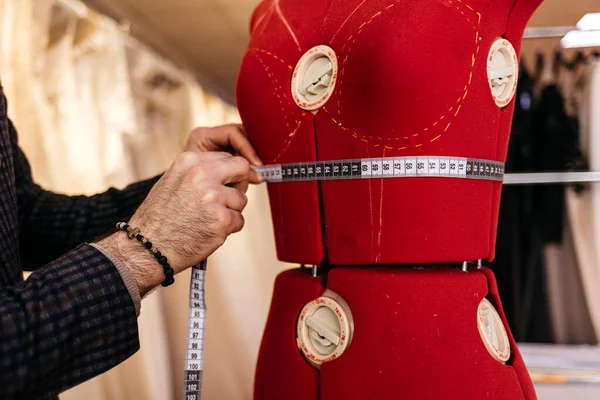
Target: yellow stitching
[(292, 135), (418, 145), (287, 143), (436, 138), (272, 55), (460, 99)]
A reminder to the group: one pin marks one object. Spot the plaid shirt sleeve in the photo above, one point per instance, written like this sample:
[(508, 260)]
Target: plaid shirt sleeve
[(68, 322), (74, 317), (52, 224)]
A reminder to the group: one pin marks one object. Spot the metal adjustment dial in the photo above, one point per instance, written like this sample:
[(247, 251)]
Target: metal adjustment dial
[(502, 71), (492, 331), (324, 329), (314, 78)]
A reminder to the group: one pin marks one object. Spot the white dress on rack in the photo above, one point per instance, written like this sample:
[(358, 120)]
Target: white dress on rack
[(586, 206), (571, 319), (23, 39)]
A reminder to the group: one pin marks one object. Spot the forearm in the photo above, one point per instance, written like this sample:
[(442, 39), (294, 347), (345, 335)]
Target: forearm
[(145, 270), (70, 321), (52, 224)]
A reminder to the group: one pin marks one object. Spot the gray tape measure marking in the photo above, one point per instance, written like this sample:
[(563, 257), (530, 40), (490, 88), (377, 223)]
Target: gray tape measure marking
[(194, 360), (395, 167)]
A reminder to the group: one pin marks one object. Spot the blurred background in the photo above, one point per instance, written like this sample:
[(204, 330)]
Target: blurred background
[(105, 92)]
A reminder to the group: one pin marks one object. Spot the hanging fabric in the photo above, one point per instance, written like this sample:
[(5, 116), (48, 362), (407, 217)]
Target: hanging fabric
[(24, 36), (584, 206), (570, 316)]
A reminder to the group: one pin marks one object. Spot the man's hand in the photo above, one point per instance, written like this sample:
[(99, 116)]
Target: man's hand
[(228, 138), (188, 214)]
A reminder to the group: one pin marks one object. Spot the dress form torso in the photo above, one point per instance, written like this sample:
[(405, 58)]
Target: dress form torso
[(410, 79)]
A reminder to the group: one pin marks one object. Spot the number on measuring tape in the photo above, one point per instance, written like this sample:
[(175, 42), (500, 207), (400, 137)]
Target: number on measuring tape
[(462, 167), (397, 167), (366, 168), (376, 167), (388, 167), (411, 166), (444, 166), (197, 318), (434, 166), (423, 166)]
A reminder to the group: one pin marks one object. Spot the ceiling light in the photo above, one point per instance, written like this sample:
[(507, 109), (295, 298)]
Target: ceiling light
[(589, 22), (575, 39)]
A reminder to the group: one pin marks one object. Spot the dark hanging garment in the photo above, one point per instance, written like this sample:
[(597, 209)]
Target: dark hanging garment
[(511, 246), (555, 143), (518, 264)]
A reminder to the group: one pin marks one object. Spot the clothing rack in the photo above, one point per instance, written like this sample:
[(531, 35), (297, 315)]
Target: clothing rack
[(548, 32), (538, 178)]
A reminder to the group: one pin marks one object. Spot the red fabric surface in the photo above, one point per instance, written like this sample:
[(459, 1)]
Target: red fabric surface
[(416, 337), (412, 81), (281, 371), (516, 360), (295, 208)]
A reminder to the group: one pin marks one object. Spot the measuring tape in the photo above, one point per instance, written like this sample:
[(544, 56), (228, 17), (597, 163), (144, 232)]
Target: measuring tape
[(194, 360), (396, 167)]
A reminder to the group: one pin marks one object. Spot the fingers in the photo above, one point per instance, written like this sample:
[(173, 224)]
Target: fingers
[(236, 221), (234, 199), (189, 159), (242, 146), (233, 136), (254, 177), (241, 186), (233, 171)]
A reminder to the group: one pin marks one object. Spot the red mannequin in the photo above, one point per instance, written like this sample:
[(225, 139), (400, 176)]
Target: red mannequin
[(405, 78)]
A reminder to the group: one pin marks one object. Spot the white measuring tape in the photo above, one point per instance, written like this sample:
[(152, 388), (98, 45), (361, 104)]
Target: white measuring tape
[(396, 167), (194, 360)]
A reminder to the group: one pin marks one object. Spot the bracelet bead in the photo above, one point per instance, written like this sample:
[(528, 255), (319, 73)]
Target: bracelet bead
[(168, 281), (134, 233)]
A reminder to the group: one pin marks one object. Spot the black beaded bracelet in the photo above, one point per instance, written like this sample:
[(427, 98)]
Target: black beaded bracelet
[(134, 233)]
